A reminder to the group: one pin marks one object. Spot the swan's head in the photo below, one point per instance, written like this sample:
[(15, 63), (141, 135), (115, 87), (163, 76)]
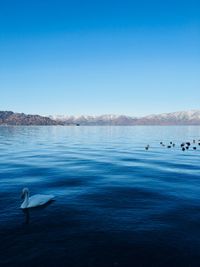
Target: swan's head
[(25, 192)]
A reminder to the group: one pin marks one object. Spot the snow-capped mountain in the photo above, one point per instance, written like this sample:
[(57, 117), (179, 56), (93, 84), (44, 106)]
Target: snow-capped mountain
[(95, 120), (191, 117), (181, 115)]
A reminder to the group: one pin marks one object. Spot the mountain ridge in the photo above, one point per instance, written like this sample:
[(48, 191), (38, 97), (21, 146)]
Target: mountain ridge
[(190, 117), (12, 118)]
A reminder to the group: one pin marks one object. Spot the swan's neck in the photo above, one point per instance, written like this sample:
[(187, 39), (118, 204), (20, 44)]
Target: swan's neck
[(26, 200)]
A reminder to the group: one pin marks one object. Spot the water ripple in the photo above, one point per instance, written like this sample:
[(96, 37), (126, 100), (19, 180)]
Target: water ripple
[(115, 201)]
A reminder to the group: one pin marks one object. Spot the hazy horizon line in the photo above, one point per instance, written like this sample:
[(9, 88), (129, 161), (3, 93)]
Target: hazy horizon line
[(102, 114)]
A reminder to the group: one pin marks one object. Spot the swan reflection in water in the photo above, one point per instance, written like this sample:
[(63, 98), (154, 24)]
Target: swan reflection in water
[(34, 202), (27, 211)]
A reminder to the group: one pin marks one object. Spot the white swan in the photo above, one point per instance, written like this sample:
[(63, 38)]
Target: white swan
[(34, 201)]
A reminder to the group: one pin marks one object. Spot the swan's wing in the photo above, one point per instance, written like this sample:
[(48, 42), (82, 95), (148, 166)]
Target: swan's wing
[(38, 200)]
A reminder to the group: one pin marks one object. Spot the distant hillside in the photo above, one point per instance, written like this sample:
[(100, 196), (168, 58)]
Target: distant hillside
[(191, 117), (11, 118), (95, 120)]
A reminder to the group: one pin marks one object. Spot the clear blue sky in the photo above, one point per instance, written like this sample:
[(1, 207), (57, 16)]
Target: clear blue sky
[(99, 56)]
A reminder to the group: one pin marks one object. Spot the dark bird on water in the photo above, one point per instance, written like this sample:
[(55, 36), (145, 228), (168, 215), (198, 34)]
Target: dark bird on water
[(183, 148), (168, 146), (147, 147), (194, 148), (188, 144), (187, 147), (182, 145)]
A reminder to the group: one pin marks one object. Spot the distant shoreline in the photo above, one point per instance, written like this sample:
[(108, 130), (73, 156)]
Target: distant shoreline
[(139, 125), (182, 118)]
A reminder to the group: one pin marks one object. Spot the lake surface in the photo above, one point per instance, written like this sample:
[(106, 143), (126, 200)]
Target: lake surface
[(116, 203)]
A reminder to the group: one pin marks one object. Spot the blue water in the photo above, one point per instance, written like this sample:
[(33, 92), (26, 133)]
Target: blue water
[(116, 203)]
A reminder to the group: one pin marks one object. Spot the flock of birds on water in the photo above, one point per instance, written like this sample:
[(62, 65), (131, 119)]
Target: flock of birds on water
[(184, 146)]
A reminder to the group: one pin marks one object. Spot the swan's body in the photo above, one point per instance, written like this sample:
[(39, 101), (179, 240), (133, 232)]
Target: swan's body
[(34, 201)]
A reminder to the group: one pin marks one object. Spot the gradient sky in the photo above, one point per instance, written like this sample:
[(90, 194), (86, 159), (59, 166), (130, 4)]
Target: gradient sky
[(97, 57)]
